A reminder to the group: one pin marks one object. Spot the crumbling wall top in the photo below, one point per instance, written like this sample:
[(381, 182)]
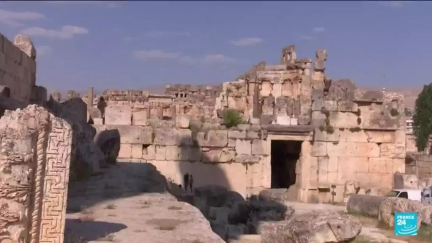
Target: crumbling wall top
[(24, 43)]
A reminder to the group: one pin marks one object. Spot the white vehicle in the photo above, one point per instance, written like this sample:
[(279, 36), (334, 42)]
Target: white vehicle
[(421, 195)]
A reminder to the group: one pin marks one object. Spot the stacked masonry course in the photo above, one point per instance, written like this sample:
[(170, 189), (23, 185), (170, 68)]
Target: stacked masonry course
[(347, 136), (18, 70)]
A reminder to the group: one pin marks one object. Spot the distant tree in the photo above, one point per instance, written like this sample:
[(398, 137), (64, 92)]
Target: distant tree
[(422, 120)]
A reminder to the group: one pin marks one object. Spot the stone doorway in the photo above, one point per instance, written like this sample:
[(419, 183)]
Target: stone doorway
[(284, 158)]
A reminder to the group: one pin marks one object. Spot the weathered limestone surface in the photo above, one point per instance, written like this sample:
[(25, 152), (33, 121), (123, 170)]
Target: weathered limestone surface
[(364, 204), (36, 147), (313, 227), (394, 205), (86, 155), (405, 181), (358, 140), (18, 67), (420, 165)]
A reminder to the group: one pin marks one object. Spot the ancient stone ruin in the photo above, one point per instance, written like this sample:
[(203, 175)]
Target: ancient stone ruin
[(299, 136), (301, 131)]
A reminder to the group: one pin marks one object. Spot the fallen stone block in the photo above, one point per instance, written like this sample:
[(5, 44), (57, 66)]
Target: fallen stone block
[(364, 204), (392, 205), (109, 143), (312, 227)]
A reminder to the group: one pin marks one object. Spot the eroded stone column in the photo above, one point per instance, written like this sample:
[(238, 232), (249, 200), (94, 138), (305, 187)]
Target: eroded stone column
[(318, 75), (90, 97)]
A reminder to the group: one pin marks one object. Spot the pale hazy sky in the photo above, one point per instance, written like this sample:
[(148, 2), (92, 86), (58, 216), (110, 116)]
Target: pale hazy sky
[(130, 45)]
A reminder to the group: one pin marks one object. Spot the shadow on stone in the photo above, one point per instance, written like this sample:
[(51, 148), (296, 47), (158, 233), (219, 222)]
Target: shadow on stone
[(85, 231), (109, 143), (231, 216)]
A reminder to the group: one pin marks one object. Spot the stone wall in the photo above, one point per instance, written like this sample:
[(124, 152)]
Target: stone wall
[(213, 155), (411, 143), (359, 138), (273, 93), (36, 148), (136, 107), (348, 136), (18, 69), (419, 164)]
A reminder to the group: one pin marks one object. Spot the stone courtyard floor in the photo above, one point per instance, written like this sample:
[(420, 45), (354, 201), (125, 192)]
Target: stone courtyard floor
[(150, 218)]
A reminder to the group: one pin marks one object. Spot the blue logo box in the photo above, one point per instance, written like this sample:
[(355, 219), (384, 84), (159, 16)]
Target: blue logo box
[(405, 224)]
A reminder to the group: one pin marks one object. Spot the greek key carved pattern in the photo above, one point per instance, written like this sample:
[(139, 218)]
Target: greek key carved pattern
[(56, 183)]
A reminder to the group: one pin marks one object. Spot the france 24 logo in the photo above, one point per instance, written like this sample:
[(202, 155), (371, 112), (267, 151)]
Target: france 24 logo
[(405, 224)]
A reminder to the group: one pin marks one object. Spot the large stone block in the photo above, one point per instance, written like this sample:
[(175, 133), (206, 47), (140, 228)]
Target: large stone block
[(137, 151), (139, 116), (343, 119), (160, 152), (347, 106), (322, 170), (361, 164), (326, 135), (243, 146), (259, 147), (318, 118), (118, 115), (346, 170), (283, 120), (125, 151), (381, 136), (333, 164), (182, 122), (317, 105), (185, 137), (399, 165), (389, 150), (149, 152), (380, 120), (235, 134), (166, 136), (195, 154), (330, 105), (400, 137), (218, 155), (369, 96), (351, 149), (353, 135), (134, 134), (75, 109), (319, 149), (172, 153), (313, 183), (380, 165), (213, 138)]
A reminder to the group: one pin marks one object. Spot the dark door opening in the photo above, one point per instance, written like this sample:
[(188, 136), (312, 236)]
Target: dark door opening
[(284, 157)]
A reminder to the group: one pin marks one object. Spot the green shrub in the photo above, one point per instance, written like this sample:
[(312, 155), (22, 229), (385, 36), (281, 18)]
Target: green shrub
[(231, 118)]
